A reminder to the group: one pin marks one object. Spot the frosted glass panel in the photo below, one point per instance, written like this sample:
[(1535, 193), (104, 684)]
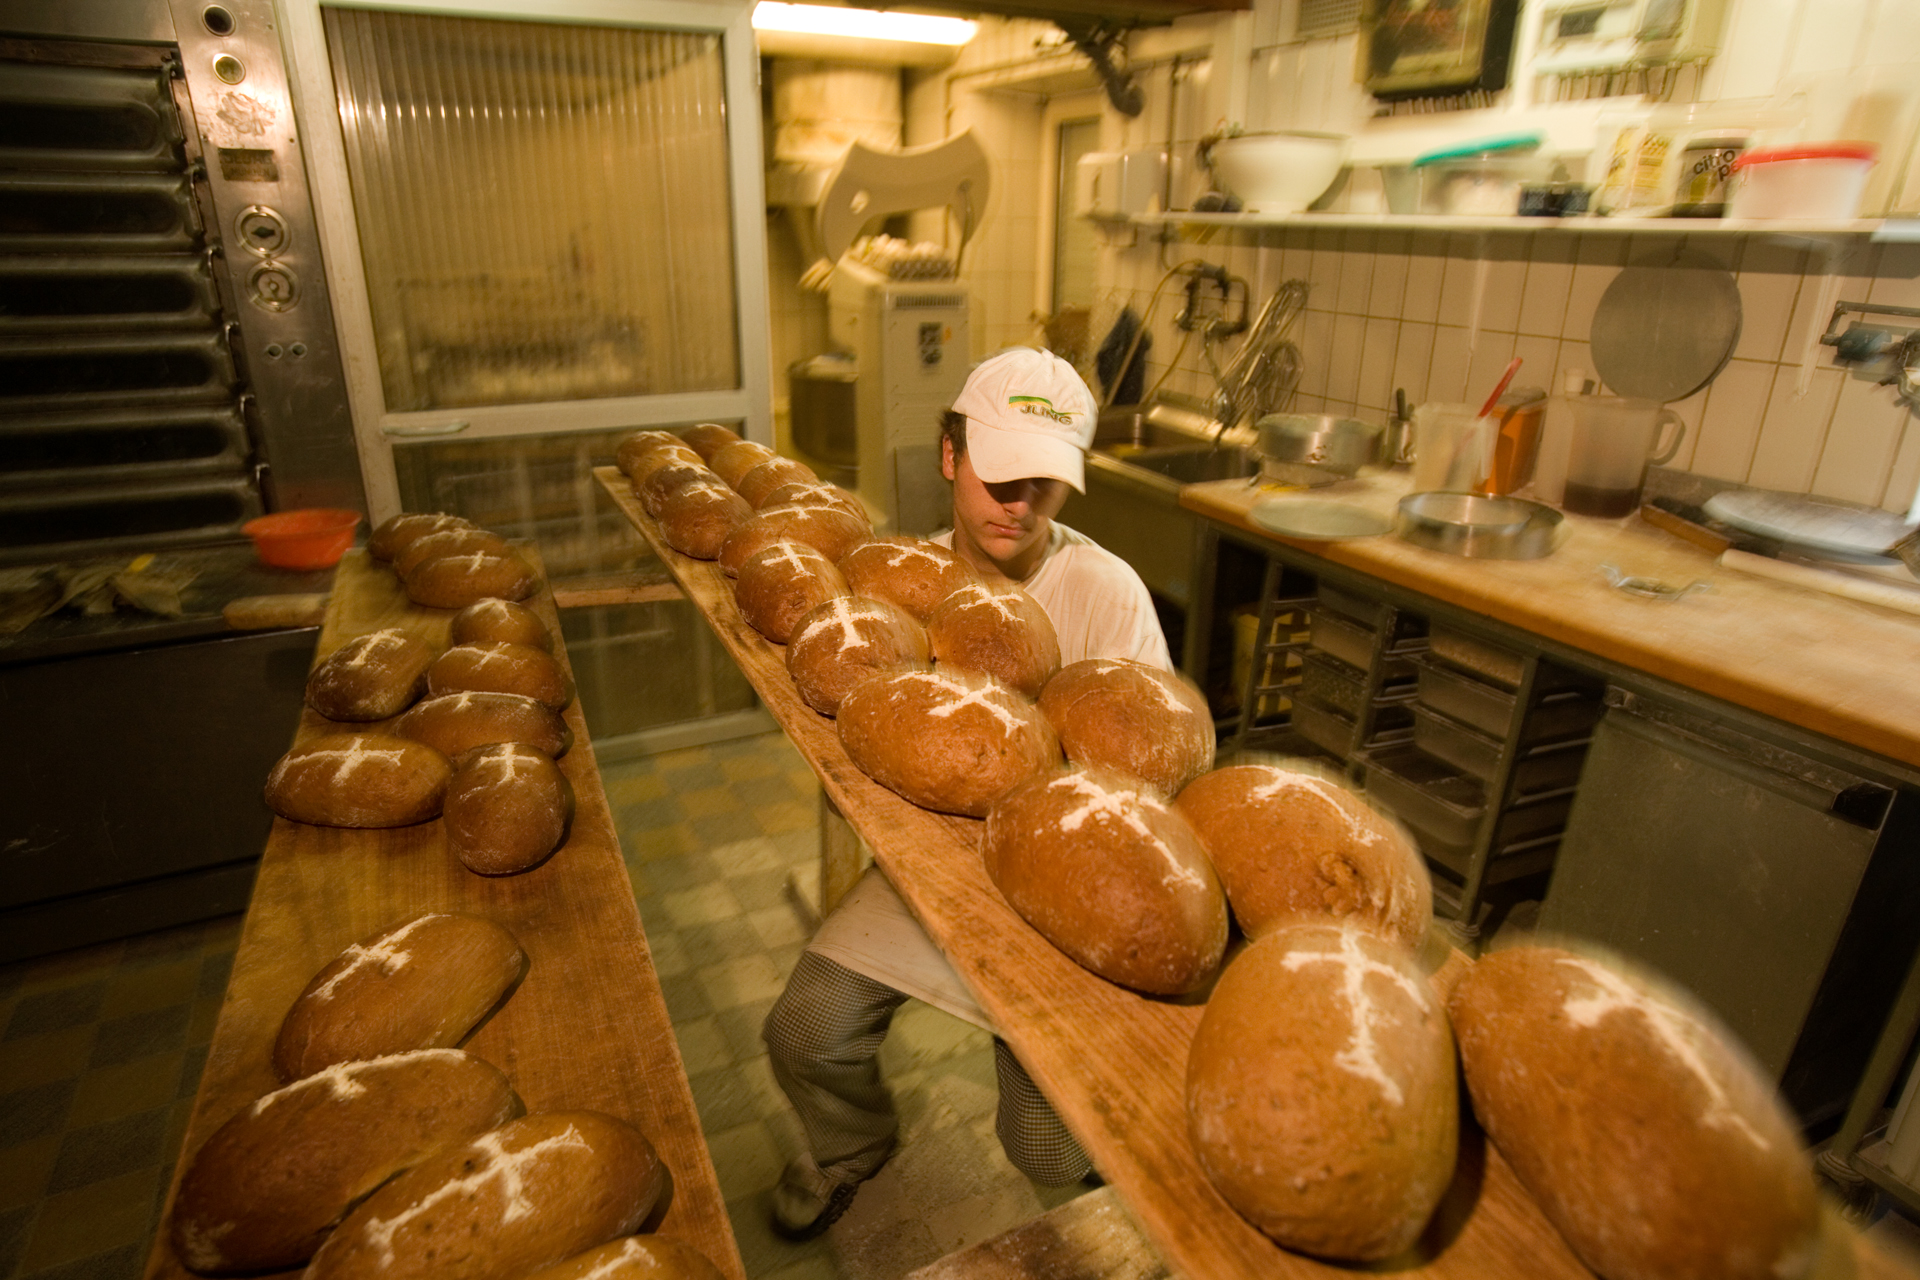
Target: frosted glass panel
[(543, 209)]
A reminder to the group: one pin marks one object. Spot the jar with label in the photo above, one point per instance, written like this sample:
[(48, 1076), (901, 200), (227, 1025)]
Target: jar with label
[(1706, 167)]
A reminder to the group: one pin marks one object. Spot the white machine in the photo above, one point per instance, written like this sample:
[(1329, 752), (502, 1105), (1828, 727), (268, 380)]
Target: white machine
[(904, 321)]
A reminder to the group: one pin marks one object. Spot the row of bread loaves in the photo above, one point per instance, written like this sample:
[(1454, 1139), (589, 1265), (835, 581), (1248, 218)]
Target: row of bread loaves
[(446, 562)]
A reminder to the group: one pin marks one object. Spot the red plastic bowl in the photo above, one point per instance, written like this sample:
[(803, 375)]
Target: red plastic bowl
[(312, 538)]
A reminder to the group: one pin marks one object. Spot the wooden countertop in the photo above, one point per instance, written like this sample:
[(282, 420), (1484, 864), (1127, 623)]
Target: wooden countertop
[(1111, 1061), (587, 1028), (1831, 665)]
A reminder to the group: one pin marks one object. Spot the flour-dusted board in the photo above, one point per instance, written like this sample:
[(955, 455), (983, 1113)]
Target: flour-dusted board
[(586, 1029)]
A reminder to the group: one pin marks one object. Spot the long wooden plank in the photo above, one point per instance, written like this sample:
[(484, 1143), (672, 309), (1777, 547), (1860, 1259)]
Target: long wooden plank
[(1111, 1061), (587, 1028), (1814, 660)]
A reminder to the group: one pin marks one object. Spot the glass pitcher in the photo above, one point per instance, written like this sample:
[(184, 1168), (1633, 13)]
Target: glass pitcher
[(1613, 442)]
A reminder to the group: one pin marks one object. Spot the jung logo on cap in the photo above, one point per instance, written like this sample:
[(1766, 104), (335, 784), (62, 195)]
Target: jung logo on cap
[(1043, 407)]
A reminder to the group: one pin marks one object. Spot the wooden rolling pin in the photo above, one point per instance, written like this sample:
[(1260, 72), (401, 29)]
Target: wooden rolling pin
[(265, 613), (1888, 595)]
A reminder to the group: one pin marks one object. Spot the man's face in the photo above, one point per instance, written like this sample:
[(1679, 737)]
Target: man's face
[(1006, 522)]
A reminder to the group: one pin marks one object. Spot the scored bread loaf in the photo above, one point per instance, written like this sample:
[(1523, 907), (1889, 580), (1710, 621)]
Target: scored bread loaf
[(1098, 863), (370, 677), (1291, 841), (1132, 717), (759, 483), (708, 438), (497, 667), (783, 583), (421, 984), (1321, 1096), (664, 457), (814, 494), (264, 1190), (500, 620), (846, 640), (946, 740), (649, 1257), (660, 485), (998, 631), (911, 572), (396, 532), (829, 529), (697, 519), (1645, 1133), (731, 462), (456, 723), (640, 445), (507, 808), (528, 1194), (447, 542), (454, 582), (363, 780)]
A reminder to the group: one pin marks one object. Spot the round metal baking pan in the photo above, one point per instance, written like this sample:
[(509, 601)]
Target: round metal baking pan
[(1317, 519), (1477, 526)]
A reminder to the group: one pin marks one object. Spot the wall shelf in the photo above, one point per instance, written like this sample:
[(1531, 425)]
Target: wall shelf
[(1880, 230)]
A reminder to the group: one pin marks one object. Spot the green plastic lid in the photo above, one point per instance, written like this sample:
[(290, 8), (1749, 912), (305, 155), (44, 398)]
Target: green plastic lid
[(1518, 142)]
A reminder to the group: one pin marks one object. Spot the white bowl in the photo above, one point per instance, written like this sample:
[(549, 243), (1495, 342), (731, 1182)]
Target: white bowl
[(1278, 172)]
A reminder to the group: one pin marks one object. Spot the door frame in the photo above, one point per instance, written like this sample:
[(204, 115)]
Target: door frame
[(376, 428)]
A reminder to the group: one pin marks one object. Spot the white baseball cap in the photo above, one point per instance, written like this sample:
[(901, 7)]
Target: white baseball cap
[(1028, 414)]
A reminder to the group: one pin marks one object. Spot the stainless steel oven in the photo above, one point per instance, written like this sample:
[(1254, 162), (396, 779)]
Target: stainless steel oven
[(168, 362)]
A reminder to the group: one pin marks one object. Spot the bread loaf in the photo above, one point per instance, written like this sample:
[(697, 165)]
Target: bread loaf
[(1108, 873), (455, 723), (507, 808), (1321, 1096), (1646, 1134), (528, 1194), (846, 640), (645, 466), (495, 667), (422, 984), (397, 532), (359, 780), (454, 582), (757, 484), (640, 445), (946, 740), (1292, 842), (911, 572), (264, 1190), (370, 677), (448, 542), (697, 519), (648, 1257), (662, 483), (998, 631), (731, 462), (708, 438), (1132, 717), (782, 584), (815, 494), (828, 529), (503, 621)]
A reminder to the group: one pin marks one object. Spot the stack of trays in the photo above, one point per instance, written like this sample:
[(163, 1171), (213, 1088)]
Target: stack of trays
[(1358, 677), (1492, 730)]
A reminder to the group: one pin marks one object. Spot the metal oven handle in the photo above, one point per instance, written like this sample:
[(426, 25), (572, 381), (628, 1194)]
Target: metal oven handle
[(437, 429)]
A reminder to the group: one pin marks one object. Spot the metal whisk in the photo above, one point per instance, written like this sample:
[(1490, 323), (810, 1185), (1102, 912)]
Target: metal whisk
[(1266, 366)]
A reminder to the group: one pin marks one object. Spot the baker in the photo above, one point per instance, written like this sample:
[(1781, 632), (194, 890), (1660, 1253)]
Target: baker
[(1013, 442)]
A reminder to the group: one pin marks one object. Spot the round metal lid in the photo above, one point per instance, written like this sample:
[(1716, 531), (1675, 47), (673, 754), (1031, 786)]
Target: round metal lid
[(1663, 330), (1318, 519)]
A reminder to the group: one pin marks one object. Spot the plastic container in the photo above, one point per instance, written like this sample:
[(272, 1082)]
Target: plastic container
[(309, 538), (1481, 179), (1820, 181)]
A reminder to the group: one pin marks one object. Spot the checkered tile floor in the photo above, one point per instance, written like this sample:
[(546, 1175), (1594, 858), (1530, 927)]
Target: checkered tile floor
[(101, 1049)]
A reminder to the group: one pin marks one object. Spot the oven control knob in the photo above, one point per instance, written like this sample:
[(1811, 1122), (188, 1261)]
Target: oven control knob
[(273, 287), (263, 230)]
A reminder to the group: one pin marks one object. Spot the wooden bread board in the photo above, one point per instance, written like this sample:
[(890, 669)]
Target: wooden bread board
[(586, 1029)]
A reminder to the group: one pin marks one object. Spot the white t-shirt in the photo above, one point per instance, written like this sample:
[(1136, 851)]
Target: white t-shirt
[(1101, 609), (1098, 605)]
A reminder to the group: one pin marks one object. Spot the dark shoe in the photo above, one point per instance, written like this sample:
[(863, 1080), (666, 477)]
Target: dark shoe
[(806, 1202)]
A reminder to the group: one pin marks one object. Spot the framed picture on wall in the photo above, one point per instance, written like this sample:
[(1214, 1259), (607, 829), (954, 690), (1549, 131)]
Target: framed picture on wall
[(1434, 48)]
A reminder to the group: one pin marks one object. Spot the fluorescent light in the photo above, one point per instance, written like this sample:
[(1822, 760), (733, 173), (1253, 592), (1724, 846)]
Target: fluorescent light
[(868, 24)]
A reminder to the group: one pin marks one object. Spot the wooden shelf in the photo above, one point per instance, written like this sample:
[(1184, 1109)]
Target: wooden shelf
[(1879, 230)]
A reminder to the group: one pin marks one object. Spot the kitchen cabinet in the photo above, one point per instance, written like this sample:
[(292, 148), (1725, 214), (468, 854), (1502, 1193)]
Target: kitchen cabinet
[(1762, 864)]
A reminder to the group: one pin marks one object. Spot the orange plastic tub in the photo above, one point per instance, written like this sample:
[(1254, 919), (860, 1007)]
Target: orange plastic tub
[(310, 538)]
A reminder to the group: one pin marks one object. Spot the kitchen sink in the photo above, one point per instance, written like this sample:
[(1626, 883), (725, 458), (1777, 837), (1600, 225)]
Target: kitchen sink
[(1191, 465)]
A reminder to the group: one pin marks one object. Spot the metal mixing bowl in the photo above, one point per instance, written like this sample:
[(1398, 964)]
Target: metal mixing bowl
[(1320, 440)]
